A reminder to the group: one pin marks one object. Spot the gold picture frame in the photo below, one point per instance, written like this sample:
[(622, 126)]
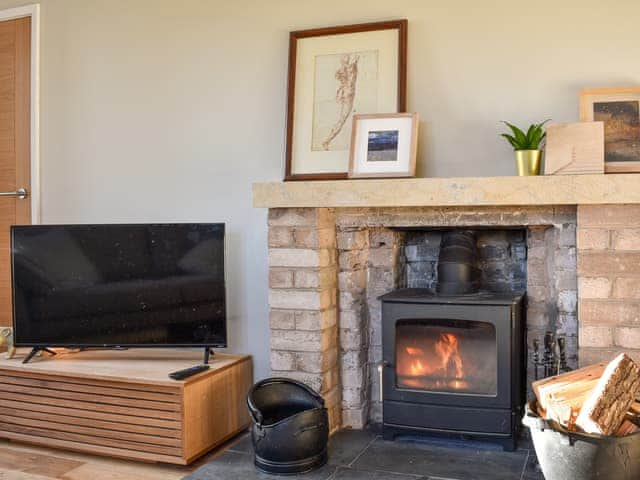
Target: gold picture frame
[(619, 109), (383, 145)]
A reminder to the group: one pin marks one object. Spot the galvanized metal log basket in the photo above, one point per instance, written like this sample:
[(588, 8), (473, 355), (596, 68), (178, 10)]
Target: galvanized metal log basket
[(565, 455)]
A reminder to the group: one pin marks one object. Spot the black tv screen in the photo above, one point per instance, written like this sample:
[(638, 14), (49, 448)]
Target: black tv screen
[(119, 285)]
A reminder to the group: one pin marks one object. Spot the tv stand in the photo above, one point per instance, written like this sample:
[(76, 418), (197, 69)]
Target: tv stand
[(208, 351), (125, 405), (36, 350)]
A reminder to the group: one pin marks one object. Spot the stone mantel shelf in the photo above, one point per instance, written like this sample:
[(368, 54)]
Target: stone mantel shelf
[(452, 192)]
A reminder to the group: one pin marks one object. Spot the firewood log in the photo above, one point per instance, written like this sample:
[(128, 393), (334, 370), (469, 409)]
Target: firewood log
[(627, 428), (562, 386), (606, 406), (564, 405), (633, 415)]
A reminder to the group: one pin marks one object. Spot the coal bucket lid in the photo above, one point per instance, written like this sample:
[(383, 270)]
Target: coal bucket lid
[(273, 400)]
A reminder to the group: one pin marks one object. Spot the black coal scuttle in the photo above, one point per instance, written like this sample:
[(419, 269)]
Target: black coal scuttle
[(290, 426)]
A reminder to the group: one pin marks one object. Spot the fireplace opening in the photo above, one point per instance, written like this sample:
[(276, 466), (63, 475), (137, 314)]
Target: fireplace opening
[(448, 356), (453, 352)]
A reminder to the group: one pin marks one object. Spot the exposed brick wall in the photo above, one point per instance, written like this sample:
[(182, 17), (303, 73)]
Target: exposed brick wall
[(328, 267), (303, 303), (502, 259), (552, 287), (369, 263), (353, 247), (385, 273), (608, 241), (420, 258)]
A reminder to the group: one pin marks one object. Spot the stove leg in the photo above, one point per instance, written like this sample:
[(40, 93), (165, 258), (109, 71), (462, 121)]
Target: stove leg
[(509, 445), (388, 434)]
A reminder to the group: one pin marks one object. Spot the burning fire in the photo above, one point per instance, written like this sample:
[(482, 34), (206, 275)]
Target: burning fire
[(447, 348), (443, 360), (447, 362), (415, 351)]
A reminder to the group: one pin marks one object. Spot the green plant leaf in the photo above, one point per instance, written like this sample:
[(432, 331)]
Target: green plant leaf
[(535, 139), (526, 141), (519, 135), (544, 135), (510, 139), (542, 132), (531, 132)]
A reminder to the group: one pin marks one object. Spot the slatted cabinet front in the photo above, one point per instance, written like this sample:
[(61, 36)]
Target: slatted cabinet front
[(121, 419)]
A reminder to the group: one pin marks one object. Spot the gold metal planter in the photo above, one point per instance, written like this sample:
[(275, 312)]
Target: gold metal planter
[(528, 162)]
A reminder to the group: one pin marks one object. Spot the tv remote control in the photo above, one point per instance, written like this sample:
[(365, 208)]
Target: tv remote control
[(187, 372)]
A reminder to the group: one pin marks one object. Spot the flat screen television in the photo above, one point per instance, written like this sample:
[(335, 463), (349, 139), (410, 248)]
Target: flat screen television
[(144, 285)]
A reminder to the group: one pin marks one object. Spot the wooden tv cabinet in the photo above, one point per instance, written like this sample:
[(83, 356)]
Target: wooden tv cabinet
[(123, 404)]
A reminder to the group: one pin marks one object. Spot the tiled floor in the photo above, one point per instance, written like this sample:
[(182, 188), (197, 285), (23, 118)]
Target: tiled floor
[(363, 455)]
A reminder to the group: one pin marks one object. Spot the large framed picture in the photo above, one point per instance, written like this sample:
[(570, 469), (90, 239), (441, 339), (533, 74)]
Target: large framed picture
[(619, 109), (383, 145), (335, 73)]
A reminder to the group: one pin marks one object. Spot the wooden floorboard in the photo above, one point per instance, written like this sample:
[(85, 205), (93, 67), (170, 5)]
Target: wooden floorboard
[(20, 461)]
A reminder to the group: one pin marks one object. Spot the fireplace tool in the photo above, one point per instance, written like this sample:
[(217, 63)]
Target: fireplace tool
[(554, 357)]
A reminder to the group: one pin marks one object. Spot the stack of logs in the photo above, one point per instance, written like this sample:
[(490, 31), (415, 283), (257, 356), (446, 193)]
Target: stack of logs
[(599, 399)]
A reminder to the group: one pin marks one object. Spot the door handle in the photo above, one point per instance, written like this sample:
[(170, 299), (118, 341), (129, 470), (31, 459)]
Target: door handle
[(381, 367), (20, 193)]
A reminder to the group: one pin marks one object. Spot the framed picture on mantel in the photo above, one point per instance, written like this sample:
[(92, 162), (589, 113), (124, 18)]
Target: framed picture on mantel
[(383, 146), (335, 73), (619, 109)]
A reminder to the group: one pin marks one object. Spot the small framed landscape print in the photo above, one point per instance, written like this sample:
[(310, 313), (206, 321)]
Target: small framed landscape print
[(619, 109), (383, 145), (335, 73)]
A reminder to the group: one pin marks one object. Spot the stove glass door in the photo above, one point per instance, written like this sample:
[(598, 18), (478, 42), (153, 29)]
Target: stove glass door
[(446, 356)]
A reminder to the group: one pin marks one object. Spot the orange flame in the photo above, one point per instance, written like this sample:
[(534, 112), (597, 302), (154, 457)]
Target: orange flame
[(446, 349)]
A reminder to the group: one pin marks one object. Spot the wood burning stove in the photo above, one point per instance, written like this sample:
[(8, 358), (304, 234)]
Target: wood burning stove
[(453, 364)]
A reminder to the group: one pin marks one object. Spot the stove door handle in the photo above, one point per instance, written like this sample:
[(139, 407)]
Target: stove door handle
[(381, 367)]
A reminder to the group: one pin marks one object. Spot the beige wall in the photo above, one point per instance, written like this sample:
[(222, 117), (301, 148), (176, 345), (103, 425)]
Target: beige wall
[(159, 110)]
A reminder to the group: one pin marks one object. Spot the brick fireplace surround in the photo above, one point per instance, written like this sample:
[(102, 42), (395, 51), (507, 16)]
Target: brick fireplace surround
[(329, 264)]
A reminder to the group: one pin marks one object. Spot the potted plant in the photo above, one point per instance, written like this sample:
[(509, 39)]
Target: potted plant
[(527, 147)]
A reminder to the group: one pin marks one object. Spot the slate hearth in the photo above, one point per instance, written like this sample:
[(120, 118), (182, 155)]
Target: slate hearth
[(364, 455)]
